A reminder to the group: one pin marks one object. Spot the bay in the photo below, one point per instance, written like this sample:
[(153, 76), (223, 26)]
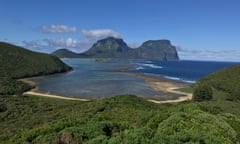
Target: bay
[(92, 79)]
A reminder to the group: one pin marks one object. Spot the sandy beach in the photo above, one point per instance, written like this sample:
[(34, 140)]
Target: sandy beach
[(36, 92), (159, 84), (53, 96)]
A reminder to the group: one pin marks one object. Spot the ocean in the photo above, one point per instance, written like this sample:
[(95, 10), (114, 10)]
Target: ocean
[(92, 79), (186, 71)]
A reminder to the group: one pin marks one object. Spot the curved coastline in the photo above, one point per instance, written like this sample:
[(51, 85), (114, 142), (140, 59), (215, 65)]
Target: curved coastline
[(164, 85), (159, 84)]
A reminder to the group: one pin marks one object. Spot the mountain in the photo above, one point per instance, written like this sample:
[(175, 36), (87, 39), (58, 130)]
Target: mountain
[(108, 48), (157, 49), (17, 62), (65, 53), (116, 48)]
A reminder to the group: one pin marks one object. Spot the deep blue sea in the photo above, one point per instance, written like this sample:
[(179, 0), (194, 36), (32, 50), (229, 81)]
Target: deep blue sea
[(186, 71), (91, 79)]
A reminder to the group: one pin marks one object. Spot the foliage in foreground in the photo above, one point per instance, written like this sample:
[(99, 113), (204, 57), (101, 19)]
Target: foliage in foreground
[(121, 119), (9, 86)]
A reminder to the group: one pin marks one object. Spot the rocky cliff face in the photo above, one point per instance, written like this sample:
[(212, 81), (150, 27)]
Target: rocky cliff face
[(158, 49), (117, 48)]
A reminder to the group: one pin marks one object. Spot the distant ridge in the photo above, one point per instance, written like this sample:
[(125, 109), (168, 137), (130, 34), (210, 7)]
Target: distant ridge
[(65, 53), (116, 48)]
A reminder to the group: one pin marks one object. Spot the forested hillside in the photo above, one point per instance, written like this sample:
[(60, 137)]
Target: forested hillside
[(17, 62), (226, 81)]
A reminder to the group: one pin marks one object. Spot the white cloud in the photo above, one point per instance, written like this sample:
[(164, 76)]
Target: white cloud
[(49, 45), (69, 42), (37, 45), (190, 51), (134, 45), (100, 34), (208, 54), (57, 29)]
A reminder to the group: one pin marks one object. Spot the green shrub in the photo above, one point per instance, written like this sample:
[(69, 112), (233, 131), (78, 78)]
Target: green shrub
[(202, 92), (194, 127), (123, 120), (3, 107), (138, 136)]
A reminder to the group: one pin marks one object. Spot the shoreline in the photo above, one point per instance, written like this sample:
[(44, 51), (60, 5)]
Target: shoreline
[(159, 84), (163, 85)]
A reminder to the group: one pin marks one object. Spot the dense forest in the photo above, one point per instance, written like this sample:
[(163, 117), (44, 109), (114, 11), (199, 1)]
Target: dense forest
[(17, 62), (124, 119)]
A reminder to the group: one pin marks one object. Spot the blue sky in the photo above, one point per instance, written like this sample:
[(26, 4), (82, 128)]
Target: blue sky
[(201, 29)]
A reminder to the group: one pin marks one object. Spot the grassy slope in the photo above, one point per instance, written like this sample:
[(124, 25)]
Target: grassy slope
[(17, 62)]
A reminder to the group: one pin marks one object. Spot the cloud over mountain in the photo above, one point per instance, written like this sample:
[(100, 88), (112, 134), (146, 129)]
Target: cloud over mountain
[(89, 37), (100, 34)]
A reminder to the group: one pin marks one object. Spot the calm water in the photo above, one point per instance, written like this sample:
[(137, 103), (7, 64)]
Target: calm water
[(91, 79)]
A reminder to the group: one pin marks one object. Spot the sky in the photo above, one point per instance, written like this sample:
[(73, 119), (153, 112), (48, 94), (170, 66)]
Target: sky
[(200, 29)]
